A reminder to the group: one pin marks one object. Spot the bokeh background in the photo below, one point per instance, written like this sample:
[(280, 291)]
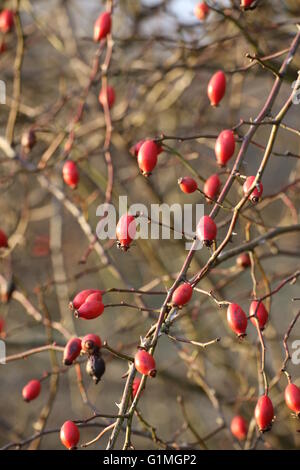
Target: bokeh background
[(162, 60)]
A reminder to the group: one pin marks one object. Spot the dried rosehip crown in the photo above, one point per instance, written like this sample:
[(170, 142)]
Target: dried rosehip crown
[(91, 343)]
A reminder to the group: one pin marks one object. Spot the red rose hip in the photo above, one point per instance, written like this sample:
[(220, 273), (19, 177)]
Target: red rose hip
[(182, 295), (31, 390), (110, 96), (187, 185), (261, 313), (201, 11), (2, 46), (206, 230), (6, 21), (212, 187), (239, 427), (90, 310), (245, 4), (216, 88), (71, 351), (3, 239), (69, 435), (147, 157), (135, 386), (125, 231), (145, 363), (224, 147), (70, 174), (243, 260), (292, 397), (134, 150), (237, 319), (2, 325), (264, 413), (94, 297), (81, 297), (102, 26), (256, 194)]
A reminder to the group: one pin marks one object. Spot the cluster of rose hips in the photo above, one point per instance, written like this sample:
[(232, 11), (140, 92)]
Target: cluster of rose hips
[(88, 303), (91, 345), (147, 152), (236, 317), (264, 415), (102, 28), (95, 366), (264, 411), (237, 320), (126, 229), (144, 363)]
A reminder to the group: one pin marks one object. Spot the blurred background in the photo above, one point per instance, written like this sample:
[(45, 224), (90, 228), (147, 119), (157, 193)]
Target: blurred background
[(162, 60)]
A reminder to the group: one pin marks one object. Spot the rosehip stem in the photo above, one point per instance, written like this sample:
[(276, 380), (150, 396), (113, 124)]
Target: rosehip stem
[(184, 162), (124, 304), (194, 343), (117, 353), (134, 291), (30, 352)]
